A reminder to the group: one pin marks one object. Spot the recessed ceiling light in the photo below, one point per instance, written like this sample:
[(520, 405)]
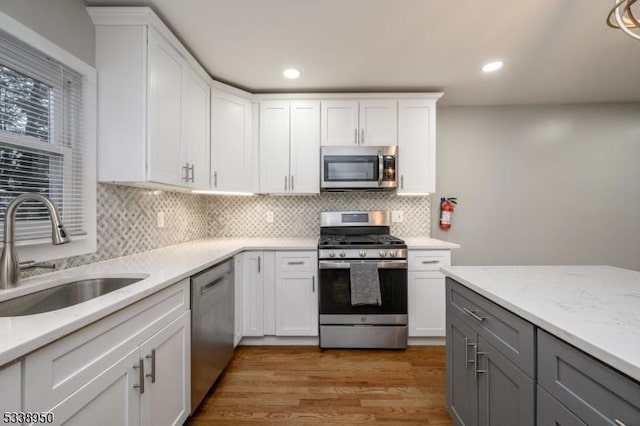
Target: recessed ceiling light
[(492, 66), (291, 73)]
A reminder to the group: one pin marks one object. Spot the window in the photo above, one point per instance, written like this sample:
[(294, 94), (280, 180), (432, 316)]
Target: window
[(47, 141)]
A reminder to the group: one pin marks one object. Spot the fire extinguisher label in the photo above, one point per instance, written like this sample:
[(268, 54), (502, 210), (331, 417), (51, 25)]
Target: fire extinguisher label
[(446, 217)]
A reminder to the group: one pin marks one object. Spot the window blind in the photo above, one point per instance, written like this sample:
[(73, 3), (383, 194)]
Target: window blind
[(42, 140)]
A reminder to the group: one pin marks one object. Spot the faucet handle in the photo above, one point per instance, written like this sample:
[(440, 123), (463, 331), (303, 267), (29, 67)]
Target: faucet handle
[(33, 264)]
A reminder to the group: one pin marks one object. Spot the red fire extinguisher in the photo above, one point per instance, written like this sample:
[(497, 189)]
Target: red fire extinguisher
[(446, 208)]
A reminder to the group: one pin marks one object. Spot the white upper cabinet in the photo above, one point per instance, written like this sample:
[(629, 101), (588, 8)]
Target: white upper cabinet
[(195, 132), (274, 146), (304, 166), (416, 146), (231, 148), (366, 122), (165, 107), (289, 147), (339, 123), (153, 103), (378, 122)]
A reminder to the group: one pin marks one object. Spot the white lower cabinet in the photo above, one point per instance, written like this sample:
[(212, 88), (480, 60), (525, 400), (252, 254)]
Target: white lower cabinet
[(11, 378), (280, 293), (426, 292), (296, 309), (253, 281), (131, 368)]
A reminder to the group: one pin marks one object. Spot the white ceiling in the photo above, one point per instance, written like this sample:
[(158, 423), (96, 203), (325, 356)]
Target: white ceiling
[(555, 51)]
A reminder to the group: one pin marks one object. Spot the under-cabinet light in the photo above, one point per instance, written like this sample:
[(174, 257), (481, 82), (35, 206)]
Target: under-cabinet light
[(210, 192)]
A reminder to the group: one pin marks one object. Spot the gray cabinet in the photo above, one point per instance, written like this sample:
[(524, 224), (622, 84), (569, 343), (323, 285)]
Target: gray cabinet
[(551, 413), (488, 384), (492, 355), (505, 393), (595, 393)]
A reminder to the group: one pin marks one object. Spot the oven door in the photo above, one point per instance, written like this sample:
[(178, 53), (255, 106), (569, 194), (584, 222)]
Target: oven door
[(335, 294), (358, 168)]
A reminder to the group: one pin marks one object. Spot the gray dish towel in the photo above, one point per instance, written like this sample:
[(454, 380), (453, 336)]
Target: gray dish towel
[(365, 284)]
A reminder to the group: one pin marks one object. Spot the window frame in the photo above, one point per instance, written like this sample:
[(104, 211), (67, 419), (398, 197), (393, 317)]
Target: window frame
[(41, 249)]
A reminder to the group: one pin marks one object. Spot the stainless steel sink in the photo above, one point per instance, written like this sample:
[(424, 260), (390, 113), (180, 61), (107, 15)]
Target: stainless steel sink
[(62, 296)]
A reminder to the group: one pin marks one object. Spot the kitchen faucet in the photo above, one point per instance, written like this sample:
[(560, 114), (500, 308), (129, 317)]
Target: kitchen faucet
[(9, 264)]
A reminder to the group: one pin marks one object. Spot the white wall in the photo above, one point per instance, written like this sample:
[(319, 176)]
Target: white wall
[(541, 184), (64, 22)]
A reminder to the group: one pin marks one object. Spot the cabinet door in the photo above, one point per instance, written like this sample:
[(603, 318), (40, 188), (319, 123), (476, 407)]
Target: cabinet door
[(165, 112), (253, 294), (274, 147), (426, 304), (195, 132), (230, 142), (339, 123), (379, 122), (550, 412), (296, 304), (167, 361), (109, 399), (11, 379), (505, 393), (305, 148), (237, 295), (416, 147), (462, 391)]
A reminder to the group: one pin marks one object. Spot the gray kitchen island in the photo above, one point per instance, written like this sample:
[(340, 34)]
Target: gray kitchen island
[(543, 345)]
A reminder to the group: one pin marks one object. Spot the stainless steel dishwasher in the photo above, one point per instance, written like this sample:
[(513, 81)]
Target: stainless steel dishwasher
[(212, 326)]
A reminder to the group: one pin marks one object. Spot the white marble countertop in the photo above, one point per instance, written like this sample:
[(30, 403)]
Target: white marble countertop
[(427, 243), (162, 268), (594, 308)]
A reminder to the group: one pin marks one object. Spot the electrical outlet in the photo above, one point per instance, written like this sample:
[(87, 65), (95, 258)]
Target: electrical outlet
[(397, 215), (160, 219), (269, 216)]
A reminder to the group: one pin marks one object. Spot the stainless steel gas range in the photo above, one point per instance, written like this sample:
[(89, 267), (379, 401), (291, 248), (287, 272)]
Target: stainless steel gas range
[(363, 282)]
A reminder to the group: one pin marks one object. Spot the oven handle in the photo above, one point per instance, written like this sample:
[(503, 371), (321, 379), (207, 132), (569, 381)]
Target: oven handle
[(394, 264)]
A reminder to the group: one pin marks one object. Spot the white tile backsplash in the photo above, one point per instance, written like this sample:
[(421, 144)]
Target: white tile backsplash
[(127, 218)]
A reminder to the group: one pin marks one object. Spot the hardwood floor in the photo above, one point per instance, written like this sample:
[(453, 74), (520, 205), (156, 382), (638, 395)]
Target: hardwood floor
[(303, 385)]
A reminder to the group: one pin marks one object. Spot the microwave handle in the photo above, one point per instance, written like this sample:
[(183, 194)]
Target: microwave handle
[(380, 171)]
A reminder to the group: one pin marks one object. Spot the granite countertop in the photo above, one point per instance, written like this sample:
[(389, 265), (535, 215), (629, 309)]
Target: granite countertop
[(594, 308), (160, 268)]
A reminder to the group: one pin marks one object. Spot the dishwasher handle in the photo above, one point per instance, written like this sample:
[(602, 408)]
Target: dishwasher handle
[(206, 288)]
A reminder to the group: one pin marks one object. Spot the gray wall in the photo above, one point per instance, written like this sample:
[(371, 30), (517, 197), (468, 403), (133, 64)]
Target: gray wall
[(64, 22), (541, 184)]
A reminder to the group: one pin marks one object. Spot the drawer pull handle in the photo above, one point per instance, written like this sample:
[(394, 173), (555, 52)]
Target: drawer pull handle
[(140, 368), (619, 423), (427, 262), (466, 352), (474, 315), (297, 262)]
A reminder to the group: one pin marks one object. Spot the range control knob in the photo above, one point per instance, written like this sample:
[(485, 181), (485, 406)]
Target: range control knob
[(394, 253), (363, 253), (383, 253), (332, 253), (342, 253)]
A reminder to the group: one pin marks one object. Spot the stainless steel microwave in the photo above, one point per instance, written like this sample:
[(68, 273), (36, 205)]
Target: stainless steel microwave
[(358, 168)]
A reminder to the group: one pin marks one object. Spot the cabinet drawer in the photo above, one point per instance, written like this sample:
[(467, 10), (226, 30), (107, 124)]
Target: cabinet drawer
[(596, 393), (59, 369), (508, 333), (428, 260), (551, 413), (296, 261)]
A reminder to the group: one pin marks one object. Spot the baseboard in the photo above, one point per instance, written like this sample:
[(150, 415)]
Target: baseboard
[(314, 341), (426, 341)]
